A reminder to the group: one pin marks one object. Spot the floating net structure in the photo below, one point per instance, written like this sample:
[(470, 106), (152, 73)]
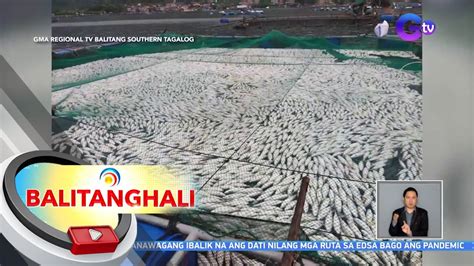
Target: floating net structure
[(275, 39), (247, 119)]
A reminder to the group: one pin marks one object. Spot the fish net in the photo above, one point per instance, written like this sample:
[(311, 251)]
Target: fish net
[(274, 39), (247, 123), (127, 57)]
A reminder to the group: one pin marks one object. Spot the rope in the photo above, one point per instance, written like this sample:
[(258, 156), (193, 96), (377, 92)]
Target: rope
[(411, 63)]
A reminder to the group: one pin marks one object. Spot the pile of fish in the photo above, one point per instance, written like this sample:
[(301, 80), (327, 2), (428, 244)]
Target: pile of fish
[(248, 124), (64, 78), (225, 258), (376, 54)]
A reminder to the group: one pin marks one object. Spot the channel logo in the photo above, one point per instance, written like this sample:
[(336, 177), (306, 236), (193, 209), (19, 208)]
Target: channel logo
[(110, 176), (415, 25)]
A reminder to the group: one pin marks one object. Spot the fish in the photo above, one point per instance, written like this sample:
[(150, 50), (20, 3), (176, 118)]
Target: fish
[(236, 114)]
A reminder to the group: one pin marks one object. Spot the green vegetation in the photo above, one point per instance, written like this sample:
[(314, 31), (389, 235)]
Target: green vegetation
[(68, 7), (264, 3), (106, 8)]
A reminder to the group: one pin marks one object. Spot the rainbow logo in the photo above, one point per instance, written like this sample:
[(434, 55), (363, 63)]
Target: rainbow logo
[(110, 176)]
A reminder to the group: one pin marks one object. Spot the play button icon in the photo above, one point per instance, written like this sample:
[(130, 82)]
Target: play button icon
[(95, 235), (92, 239)]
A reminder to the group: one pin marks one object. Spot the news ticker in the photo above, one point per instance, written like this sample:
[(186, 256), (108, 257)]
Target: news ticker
[(308, 246)]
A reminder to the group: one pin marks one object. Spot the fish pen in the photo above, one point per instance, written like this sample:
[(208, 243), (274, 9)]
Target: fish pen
[(247, 119)]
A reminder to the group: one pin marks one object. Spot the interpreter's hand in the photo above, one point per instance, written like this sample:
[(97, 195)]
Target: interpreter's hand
[(406, 228), (395, 218)]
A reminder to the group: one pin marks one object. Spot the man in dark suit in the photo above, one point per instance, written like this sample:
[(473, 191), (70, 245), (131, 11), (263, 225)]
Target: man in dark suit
[(410, 220)]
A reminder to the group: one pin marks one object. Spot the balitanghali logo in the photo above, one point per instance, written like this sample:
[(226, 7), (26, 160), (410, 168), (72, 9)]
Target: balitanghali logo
[(162, 191), (410, 27)]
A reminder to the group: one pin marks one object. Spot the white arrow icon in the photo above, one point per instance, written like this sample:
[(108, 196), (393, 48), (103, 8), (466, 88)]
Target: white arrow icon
[(95, 235)]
